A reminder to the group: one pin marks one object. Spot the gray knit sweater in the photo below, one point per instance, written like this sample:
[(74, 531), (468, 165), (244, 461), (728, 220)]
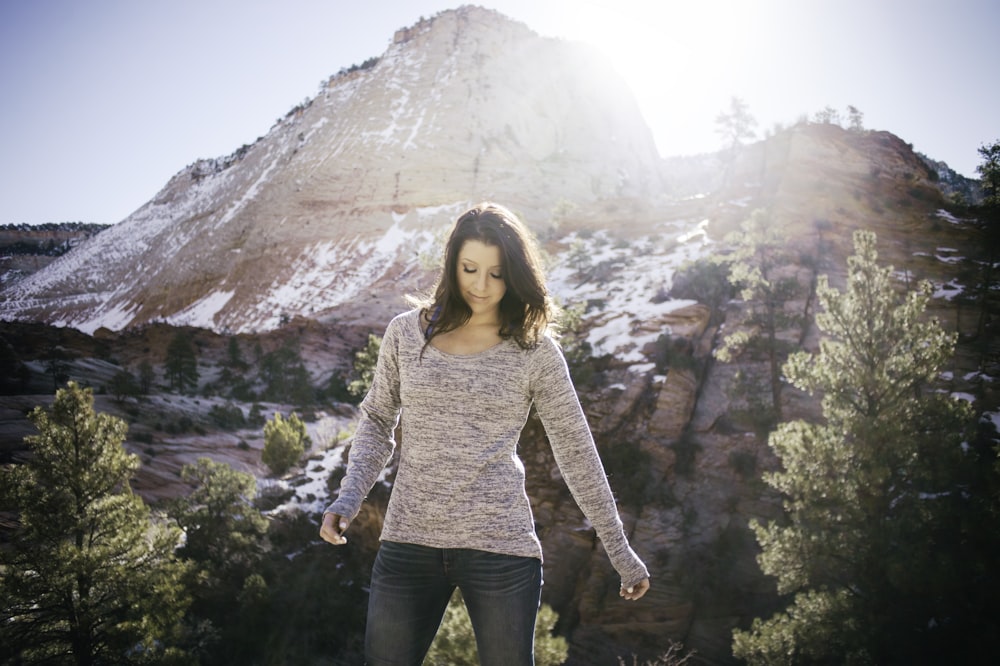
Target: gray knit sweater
[(460, 483)]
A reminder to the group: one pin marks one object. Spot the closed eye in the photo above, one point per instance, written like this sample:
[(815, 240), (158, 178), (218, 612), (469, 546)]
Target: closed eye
[(470, 270)]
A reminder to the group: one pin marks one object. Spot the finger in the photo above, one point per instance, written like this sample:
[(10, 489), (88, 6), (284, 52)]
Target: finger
[(640, 590), (331, 536), (634, 592), (333, 528)]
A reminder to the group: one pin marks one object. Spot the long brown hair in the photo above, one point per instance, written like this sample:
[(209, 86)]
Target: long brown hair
[(526, 310)]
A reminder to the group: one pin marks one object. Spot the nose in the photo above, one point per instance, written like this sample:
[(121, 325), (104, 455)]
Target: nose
[(481, 281)]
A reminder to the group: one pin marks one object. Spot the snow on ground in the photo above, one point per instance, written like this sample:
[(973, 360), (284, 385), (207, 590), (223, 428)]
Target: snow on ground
[(327, 454), (977, 376), (948, 290), (946, 255), (992, 417), (627, 281), (202, 313), (271, 161), (113, 315), (945, 215), (319, 280), (311, 495)]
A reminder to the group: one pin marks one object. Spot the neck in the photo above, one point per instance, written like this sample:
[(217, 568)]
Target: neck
[(491, 318)]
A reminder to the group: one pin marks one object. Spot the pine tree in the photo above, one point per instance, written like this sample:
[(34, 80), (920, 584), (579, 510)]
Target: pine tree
[(365, 360), (88, 577), (225, 542), (827, 116), (874, 548), (455, 642), (57, 365), (989, 172), (182, 362), (234, 356), (233, 375), (988, 223), (146, 377), (284, 442), (855, 119), (123, 385), (285, 376), (223, 530), (757, 266), (735, 125)]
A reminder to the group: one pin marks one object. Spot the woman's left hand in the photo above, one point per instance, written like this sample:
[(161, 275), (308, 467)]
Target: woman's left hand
[(636, 591), (333, 529)]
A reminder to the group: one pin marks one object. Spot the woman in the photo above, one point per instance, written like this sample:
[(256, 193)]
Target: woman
[(463, 371)]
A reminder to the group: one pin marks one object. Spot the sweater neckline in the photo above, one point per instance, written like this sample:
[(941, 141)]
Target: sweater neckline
[(415, 322), (478, 354)]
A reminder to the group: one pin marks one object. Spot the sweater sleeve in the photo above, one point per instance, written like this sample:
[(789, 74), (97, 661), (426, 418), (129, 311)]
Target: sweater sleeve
[(576, 455), (373, 442)]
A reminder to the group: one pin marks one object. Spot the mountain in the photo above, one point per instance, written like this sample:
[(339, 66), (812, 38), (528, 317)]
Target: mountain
[(953, 184), (309, 237), (339, 201), (26, 248)]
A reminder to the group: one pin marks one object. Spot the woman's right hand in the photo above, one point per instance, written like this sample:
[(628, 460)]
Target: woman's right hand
[(333, 529), (635, 592)]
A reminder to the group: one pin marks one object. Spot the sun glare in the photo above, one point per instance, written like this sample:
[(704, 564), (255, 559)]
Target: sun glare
[(680, 59)]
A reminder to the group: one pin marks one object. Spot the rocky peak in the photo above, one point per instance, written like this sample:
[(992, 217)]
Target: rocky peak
[(338, 201)]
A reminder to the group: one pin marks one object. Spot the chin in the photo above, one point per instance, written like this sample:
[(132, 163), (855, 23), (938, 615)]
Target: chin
[(480, 307)]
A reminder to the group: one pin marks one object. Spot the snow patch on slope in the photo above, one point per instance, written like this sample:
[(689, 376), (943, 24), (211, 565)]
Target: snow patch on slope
[(625, 282), (332, 273), (202, 313)]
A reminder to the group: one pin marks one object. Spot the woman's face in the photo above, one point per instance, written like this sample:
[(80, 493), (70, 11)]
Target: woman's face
[(480, 277)]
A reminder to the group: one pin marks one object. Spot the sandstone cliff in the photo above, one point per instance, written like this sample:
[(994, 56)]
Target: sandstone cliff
[(337, 202)]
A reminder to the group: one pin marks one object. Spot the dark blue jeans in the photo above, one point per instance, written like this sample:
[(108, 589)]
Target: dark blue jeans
[(411, 586)]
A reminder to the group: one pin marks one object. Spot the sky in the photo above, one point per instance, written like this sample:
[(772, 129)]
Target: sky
[(103, 101)]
